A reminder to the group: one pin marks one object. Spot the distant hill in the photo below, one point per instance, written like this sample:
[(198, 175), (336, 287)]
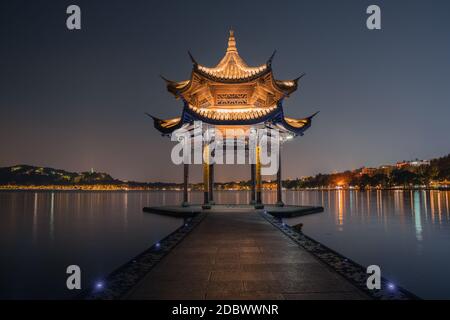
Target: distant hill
[(26, 176), (31, 175)]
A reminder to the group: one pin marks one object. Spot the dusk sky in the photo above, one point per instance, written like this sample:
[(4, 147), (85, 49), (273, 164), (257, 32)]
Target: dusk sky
[(76, 100)]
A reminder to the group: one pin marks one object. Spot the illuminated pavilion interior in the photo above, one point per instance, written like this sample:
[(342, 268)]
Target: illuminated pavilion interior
[(233, 95)]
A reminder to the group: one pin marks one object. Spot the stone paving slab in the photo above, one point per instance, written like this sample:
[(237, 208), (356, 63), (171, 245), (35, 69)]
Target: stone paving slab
[(239, 255)]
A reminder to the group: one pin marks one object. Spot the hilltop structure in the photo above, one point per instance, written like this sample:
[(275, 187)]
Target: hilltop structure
[(233, 95)]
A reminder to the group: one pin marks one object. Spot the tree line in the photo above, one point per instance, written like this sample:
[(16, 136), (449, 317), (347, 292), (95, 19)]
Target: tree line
[(438, 170)]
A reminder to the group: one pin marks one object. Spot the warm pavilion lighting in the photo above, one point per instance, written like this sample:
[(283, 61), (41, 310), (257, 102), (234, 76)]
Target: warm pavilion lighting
[(233, 93), (246, 113)]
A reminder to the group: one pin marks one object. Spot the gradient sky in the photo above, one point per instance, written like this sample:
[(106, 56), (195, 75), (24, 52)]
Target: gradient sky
[(76, 99)]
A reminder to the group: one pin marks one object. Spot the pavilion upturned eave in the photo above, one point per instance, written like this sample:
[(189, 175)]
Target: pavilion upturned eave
[(275, 119)]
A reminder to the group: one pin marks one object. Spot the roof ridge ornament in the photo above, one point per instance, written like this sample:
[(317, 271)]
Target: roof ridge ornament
[(269, 62), (192, 58), (165, 79), (298, 78), (313, 115), (231, 42)]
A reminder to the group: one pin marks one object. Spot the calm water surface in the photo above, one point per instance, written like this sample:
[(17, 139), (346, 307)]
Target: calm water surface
[(41, 233), (406, 233)]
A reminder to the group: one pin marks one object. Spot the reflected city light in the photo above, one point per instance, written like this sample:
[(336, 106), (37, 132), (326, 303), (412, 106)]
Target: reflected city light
[(439, 207), (52, 215), (417, 216), (35, 211), (340, 201)]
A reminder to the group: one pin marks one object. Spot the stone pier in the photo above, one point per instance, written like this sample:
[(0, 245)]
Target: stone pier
[(234, 253)]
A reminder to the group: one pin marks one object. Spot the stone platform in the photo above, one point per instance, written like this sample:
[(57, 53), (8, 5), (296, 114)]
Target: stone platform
[(286, 211), (234, 253)]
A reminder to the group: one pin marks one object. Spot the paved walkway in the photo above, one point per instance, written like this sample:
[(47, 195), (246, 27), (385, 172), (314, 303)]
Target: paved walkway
[(239, 255)]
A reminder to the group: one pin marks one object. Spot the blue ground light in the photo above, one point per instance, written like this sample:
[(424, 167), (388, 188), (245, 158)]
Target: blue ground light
[(99, 285)]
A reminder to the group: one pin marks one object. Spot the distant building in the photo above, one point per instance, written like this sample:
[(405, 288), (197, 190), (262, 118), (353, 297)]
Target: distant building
[(418, 163), (401, 165), (387, 169), (415, 163), (368, 171)]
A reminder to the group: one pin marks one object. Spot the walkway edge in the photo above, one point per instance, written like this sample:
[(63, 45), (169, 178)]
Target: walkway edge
[(349, 269), (118, 283)]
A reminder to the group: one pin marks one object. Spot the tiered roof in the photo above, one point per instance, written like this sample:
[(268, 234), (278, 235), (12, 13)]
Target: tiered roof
[(232, 93)]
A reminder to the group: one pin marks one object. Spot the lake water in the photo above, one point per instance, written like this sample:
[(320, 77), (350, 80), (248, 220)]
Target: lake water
[(41, 233), (406, 233)]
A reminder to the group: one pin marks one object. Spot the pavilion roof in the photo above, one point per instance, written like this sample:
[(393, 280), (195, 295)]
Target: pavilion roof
[(279, 121), (231, 69), (233, 93), (232, 66)]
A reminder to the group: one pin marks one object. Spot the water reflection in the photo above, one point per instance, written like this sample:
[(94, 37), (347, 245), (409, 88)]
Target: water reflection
[(125, 210), (41, 233), (52, 216), (406, 233), (340, 208), (417, 215), (35, 211)]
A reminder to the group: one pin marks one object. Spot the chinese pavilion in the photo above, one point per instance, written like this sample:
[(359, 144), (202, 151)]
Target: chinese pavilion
[(233, 94)]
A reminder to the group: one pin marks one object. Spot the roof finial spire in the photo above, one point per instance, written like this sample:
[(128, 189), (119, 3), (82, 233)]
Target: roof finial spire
[(231, 42)]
